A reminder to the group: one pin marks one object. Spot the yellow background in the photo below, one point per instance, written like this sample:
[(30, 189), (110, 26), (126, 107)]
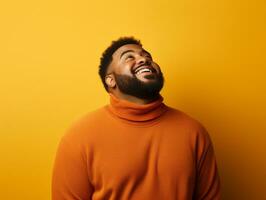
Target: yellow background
[(211, 52)]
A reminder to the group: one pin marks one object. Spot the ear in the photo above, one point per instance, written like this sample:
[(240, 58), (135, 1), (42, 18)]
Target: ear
[(110, 81)]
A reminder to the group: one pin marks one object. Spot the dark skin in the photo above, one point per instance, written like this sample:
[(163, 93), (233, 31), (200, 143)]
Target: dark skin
[(127, 60)]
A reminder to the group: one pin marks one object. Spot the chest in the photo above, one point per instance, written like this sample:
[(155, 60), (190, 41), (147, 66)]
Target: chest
[(140, 155)]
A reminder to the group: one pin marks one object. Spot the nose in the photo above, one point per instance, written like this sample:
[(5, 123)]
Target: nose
[(142, 60)]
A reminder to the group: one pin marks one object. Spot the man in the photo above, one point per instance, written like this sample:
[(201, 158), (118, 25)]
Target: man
[(135, 148)]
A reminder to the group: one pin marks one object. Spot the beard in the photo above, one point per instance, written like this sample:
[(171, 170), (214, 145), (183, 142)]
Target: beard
[(132, 86)]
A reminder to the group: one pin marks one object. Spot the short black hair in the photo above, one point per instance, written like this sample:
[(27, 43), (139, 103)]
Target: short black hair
[(106, 58)]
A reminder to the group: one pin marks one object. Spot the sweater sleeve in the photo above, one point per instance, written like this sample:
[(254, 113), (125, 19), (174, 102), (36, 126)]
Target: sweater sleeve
[(70, 179), (207, 181)]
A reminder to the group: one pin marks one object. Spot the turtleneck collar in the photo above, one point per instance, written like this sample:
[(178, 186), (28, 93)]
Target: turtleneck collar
[(136, 112)]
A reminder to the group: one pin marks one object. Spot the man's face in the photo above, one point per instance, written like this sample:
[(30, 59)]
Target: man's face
[(135, 72)]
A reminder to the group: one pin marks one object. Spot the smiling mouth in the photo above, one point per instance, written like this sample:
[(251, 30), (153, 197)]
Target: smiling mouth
[(144, 69)]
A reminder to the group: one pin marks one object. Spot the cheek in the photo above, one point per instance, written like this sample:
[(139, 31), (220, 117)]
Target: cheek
[(125, 68), (156, 66)]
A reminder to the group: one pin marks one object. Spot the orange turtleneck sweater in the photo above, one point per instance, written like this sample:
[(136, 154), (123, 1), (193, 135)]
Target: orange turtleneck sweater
[(126, 151)]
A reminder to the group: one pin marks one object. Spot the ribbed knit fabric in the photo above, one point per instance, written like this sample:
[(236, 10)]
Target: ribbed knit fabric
[(127, 151), (135, 112)]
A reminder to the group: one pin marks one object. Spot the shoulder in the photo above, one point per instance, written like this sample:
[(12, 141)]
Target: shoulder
[(189, 124), (82, 127), (181, 117)]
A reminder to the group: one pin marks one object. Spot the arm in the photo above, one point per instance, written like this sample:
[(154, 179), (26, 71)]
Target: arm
[(70, 175), (208, 181)]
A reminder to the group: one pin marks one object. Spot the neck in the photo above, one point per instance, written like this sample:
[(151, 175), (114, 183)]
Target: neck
[(133, 99), (134, 112)]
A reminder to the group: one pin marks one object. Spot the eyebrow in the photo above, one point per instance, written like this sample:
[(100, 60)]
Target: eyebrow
[(127, 51)]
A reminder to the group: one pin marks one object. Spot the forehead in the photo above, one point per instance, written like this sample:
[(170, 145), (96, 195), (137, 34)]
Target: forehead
[(133, 47)]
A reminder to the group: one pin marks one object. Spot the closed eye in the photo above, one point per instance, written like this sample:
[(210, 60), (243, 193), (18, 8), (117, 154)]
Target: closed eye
[(148, 56), (129, 56)]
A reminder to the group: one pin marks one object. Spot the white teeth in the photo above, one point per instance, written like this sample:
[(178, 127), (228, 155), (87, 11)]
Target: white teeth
[(143, 70)]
